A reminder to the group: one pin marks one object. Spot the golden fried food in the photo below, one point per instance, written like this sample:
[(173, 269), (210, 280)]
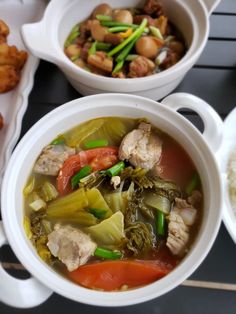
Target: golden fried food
[(9, 77), (10, 55), (4, 31), (12, 61)]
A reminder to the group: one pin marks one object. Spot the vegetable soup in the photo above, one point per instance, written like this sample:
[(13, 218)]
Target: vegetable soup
[(113, 204)]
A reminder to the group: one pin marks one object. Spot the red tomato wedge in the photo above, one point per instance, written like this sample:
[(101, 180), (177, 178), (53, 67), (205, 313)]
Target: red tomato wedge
[(98, 158), (112, 275)]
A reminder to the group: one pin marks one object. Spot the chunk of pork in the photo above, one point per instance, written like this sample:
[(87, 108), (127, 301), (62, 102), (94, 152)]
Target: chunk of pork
[(52, 158), (72, 246), (141, 147)]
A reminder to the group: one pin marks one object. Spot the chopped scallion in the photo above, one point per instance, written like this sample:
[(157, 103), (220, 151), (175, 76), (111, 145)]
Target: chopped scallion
[(107, 254), (93, 49), (86, 170), (115, 170), (160, 223), (96, 143), (193, 184), (101, 17), (98, 212)]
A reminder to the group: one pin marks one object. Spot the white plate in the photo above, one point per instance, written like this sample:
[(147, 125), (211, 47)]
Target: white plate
[(14, 103), (229, 144)]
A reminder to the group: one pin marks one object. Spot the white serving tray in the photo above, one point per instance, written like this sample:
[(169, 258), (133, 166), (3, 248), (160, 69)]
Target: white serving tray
[(229, 144), (14, 103)]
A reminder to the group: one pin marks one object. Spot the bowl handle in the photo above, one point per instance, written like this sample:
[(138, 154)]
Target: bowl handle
[(36, 40), (20, 293), (213, 124), (211, 5)]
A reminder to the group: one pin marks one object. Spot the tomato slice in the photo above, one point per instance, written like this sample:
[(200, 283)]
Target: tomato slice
[(98, 158), (112, 275)]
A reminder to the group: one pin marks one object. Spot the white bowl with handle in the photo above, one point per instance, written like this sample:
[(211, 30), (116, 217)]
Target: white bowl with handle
[(201, 148), (46, 40)]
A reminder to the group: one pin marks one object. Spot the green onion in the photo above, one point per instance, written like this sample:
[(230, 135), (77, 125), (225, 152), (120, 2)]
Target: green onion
[(160, 223), (98, 213), (156, 32), (49, 192), (93, 49), (131, 57), (107, 254), (122, 56), (193, 184), (75, 57), (101, 17), (115, 170), (136, 34), (59, 140), (96, 143), (72, 36), (103, 46), (86, 170), (119, 66), (117, 29)]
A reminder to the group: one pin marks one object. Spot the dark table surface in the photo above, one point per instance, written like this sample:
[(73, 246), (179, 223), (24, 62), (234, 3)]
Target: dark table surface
[(213, 78)]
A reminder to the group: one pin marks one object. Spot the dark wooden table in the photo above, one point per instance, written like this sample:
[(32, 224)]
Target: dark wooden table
[(213, 79)]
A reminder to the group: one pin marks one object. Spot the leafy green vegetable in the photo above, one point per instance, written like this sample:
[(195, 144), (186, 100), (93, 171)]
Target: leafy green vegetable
[(67, 205), (30, 186), (38, 204), (26, 224), (59, 140), (140, 238), (49, 192), (110, 232), (81, 218), (138, 176), (96, 200), (157, 201)]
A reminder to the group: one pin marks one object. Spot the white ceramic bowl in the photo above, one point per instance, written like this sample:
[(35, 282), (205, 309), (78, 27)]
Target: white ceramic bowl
[(201, 148), (46, 39)]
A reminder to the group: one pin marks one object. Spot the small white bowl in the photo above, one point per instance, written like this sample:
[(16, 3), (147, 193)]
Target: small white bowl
[(200, 147), (223, 155), (46, 40)]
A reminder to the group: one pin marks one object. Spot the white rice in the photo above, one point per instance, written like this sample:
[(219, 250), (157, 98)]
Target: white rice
[(232, 179)]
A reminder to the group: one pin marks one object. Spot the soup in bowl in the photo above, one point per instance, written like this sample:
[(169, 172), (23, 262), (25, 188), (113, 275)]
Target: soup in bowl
[(109, 200)]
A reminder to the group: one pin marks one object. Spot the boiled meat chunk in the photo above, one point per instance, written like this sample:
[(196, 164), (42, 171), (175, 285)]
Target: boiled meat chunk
[(72, 246), (52, 158), (141, 147), (181, 218)]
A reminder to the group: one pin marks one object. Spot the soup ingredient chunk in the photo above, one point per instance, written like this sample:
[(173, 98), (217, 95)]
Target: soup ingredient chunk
[(180, 219), (114, 275), (52, 158), (72, 246), (4, 31), (141, 147)]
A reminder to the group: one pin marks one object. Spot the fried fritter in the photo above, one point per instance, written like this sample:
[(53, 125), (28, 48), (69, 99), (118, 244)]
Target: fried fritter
[(12, 61), (4, 31), (10, 55), (9, 77)]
